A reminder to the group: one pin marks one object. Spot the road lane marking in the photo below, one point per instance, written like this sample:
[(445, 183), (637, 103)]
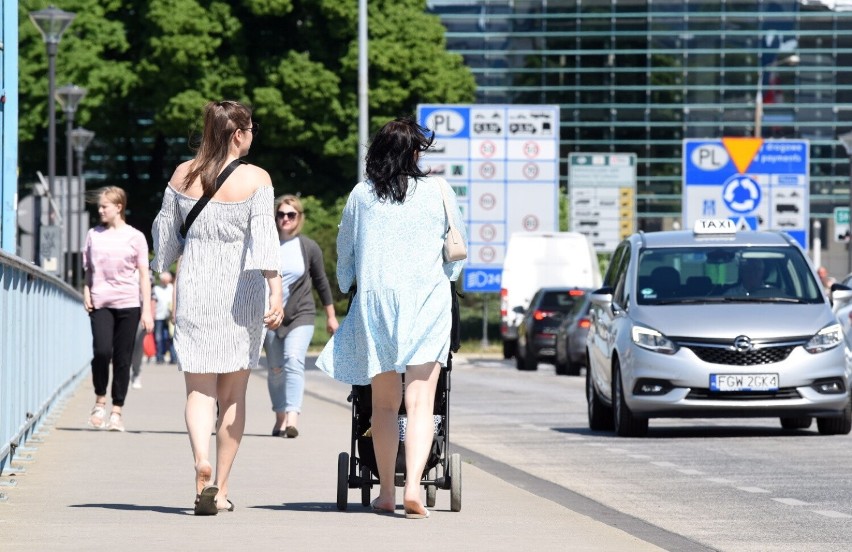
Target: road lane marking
[(753, 489), (691, 472), (665, 464), (792, 502), (831, 514)]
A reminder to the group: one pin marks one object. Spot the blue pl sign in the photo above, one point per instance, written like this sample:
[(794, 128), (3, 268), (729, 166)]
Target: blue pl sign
[(482, 279), (758, 184)]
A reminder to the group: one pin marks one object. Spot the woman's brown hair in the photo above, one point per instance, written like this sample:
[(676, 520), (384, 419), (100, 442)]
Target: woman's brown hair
[(221, 120)]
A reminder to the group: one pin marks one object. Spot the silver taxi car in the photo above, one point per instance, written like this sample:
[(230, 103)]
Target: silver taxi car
[(714, 322)]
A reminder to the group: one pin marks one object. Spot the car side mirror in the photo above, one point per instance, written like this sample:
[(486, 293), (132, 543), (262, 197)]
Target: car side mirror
[(519, 310), (602, 297), (840, 296)]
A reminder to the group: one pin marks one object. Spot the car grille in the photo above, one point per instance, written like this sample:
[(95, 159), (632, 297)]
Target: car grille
[(734, 358), (784, 393), (723, 352)]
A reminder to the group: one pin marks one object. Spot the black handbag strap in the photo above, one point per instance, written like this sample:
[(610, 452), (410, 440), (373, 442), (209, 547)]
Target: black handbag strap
[(203, 200)]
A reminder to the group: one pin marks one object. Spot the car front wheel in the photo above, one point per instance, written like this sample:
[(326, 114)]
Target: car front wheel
[(840, 425), (626, 424), (600, 417)]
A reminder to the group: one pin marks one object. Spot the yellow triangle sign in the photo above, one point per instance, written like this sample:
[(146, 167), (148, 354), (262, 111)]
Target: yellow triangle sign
[(742, 151)]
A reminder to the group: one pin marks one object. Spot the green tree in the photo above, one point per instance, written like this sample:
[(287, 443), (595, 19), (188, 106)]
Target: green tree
[(150, 65)]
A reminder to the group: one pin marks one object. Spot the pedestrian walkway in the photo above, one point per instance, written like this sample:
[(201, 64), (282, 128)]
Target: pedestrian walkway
[(82, 489)]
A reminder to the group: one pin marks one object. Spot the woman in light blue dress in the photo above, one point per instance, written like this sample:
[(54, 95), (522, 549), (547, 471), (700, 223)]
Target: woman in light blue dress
[(390, 242)]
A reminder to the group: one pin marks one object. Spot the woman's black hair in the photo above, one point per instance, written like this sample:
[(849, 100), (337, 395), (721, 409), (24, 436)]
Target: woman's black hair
[(393, 155)]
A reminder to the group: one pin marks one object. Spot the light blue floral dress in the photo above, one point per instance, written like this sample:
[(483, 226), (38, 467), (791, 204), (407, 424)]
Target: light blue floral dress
[(401, 314)]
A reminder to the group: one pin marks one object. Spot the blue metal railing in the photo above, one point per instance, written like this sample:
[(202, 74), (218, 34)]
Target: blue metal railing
[(45, 348)]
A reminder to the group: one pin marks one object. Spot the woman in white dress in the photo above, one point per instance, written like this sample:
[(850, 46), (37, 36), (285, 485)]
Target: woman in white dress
[(390, 242), (227, 263)]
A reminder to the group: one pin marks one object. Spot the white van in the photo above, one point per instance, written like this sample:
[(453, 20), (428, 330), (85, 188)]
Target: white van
[(541, 259)]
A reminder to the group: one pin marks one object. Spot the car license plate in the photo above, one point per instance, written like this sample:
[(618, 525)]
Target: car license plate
[(744, 382)]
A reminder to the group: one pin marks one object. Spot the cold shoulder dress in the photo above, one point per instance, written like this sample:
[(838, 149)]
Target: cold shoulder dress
[(221, 291), (401, 314)]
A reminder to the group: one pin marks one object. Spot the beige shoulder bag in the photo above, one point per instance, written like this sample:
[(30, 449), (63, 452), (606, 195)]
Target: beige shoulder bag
[(454, 247)]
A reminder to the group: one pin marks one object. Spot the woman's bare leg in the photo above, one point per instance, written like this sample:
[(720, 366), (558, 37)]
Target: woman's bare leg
[(387, 397), (231, 390), (200, 415), (420, 384)]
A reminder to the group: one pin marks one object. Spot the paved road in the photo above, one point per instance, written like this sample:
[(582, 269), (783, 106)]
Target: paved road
[(729, 484), (79, 489)]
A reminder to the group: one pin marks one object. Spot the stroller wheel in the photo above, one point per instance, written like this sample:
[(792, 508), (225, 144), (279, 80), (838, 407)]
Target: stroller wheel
[(365, 486), (455, 482), (431, 490), (342, 480)]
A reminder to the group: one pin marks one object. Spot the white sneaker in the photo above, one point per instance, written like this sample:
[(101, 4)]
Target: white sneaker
[(115, 423), (136, 383), (97, 415)]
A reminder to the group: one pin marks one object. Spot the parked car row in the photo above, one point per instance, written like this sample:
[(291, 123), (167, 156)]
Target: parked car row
[(546, 326)]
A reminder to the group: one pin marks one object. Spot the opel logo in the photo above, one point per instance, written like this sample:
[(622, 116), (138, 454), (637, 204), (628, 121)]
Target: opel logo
[(742, 344)]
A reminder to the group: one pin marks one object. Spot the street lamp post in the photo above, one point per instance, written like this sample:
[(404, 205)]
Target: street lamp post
[(790, 60), (846, 140), (69, 97), (80, 138), (51, 23)]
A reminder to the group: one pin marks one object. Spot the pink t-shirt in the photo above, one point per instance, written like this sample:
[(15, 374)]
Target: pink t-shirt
[(112, 258)]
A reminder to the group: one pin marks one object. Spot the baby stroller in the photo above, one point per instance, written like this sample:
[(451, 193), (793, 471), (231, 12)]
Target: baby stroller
[(357, 469)]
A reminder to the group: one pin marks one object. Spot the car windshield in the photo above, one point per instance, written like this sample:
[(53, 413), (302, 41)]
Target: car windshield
[(561, 301), (725, 274)]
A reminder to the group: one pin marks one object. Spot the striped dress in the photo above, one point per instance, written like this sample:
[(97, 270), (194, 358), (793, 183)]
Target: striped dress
[(221, 292)]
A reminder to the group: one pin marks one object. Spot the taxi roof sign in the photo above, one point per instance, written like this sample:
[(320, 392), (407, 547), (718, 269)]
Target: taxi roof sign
[(714, 226)]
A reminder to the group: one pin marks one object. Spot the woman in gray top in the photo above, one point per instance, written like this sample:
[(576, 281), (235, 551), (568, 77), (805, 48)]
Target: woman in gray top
[(301, 266)]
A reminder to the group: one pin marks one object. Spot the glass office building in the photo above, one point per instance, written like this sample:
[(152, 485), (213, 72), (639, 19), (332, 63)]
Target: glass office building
[(640, 76)]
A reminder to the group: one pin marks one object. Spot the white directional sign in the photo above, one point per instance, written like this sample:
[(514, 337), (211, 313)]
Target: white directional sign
[(503, 162), (603, 197)]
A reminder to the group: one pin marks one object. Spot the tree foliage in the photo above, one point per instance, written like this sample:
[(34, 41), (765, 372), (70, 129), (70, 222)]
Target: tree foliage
[(150, 65)]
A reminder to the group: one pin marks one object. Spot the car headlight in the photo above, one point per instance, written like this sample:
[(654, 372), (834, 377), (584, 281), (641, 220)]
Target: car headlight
[(827, 338), (653, 340)]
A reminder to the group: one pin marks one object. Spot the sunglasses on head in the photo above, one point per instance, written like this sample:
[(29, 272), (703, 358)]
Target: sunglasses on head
[(280, 215)]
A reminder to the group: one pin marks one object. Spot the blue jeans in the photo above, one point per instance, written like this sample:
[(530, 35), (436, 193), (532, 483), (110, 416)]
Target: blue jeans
[(286, 360), (164, 341)]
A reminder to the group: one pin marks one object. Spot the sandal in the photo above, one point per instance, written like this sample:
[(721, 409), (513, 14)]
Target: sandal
[(229, 507), (97, 416), (205, 501)]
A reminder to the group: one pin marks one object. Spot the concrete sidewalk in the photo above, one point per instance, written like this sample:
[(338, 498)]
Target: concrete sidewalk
[(97, 490)]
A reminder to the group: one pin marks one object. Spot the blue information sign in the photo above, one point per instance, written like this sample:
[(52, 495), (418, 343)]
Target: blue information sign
[(482, 279), (759, 184)]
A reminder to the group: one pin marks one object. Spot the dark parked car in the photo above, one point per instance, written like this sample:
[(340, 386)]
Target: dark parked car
[(537, 330), (571, 338)]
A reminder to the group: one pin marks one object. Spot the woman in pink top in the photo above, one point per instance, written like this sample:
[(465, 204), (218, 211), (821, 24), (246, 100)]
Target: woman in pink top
[(117, 281)]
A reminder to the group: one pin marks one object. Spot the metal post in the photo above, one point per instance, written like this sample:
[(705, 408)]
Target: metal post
[(81, 205), (363, 88), (66, 201), (52, 48), (849, 241), (80, 138), (484, 320), (816, 247), (758, 105)]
